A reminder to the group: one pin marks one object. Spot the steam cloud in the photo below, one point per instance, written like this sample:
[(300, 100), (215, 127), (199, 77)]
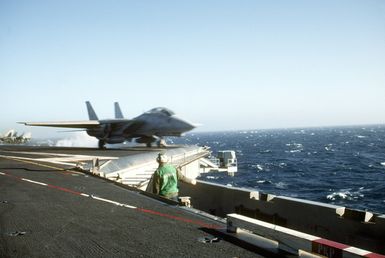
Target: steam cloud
[(78, 139)]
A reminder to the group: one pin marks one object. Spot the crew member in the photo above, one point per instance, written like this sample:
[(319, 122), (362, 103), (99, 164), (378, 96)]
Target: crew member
[(165, 182)]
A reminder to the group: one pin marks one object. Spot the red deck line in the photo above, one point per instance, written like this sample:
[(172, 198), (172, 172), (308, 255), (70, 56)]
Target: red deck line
[(197, 222), (190, 221)]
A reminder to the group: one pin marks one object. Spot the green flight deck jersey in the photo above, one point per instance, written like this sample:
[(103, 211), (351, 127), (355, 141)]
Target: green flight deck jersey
[(166, 181)]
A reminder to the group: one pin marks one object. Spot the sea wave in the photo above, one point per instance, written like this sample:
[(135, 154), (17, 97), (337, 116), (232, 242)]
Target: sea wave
[(258, 167), (281, 185), (322, 164), (346, 194)]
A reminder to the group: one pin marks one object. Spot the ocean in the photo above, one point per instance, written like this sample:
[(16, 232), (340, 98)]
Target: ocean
[(336, 165)]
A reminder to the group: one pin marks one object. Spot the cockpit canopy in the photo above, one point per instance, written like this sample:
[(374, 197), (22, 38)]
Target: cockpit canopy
[(162, 110)]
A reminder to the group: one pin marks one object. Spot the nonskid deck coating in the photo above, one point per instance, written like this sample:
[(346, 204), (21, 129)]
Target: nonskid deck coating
[(50, 212)]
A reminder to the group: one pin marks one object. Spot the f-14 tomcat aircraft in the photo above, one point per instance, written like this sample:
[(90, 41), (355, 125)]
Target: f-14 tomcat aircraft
[(146, 128), (11, 137)]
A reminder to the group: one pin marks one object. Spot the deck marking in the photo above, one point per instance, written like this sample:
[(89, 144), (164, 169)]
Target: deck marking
[(169, 216), (357, 251), (34, 182), (196, 222), (64, 189), (113, 202)]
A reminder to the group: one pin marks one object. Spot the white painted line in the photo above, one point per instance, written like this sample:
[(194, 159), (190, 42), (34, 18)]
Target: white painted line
[(128, 206), (113, 202), (304, 254), (34, 182), (357, 251), (82, 194)]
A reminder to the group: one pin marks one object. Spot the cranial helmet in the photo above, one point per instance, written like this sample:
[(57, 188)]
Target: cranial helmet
[(162, 158)]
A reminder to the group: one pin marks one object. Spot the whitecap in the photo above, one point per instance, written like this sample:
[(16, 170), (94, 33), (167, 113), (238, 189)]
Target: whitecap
[(337, 195), (265, 182), (296, 147), (281, 185), (329, 147), (346, 194), (383, 163), (258, 167)]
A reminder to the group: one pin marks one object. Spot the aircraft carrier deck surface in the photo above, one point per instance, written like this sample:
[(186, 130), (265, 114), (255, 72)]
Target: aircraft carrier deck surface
[(49, 211)]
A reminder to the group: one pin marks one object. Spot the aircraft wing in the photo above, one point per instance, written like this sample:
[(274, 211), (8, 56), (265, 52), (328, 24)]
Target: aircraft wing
[(66, 124)]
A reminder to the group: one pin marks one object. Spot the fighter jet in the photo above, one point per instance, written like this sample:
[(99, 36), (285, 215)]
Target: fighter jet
[(11, 137), (149, 127)]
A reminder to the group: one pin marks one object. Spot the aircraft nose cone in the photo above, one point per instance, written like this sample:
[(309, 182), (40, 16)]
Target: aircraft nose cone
[(185, 126)]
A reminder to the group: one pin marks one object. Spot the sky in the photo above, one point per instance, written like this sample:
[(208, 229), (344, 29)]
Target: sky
[(227, 65)]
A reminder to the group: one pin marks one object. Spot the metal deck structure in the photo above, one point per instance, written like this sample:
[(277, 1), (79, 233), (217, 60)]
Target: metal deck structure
[(83, 202), (48, 210)]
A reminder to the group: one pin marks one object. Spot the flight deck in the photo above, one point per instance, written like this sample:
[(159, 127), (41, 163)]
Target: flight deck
[(50, 210), (82, 202)]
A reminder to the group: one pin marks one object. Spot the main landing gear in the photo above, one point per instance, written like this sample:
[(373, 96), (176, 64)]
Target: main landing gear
[(102, 145)]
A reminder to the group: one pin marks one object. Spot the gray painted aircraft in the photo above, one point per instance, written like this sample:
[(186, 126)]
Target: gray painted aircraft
[(147, 128), (11, 137)]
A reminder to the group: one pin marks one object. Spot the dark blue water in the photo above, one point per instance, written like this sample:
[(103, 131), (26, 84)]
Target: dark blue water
[(341, 165)]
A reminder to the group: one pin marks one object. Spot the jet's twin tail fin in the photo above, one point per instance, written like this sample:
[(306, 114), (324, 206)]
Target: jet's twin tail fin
[(118, 112), (92, 115), (91, 112)]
